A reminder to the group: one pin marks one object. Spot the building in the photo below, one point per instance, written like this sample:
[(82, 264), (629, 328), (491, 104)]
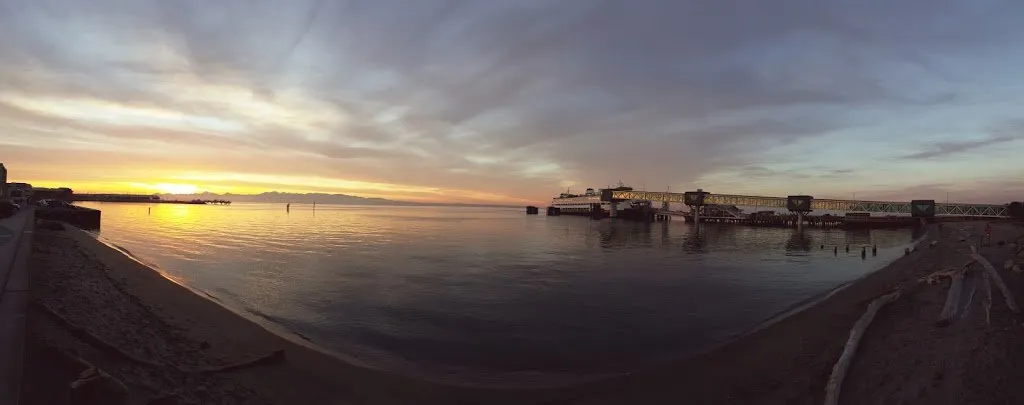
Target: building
[(3, 182), (20, 193), (63, 194)]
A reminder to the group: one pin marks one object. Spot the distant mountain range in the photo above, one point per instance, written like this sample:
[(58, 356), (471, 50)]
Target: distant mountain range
[(309, 198)]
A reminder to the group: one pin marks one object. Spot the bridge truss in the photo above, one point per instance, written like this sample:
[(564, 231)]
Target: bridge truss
[(885, 207)]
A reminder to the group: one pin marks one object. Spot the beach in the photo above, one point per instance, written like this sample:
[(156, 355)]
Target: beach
[(903, 358), (92, 304), (137, 310)]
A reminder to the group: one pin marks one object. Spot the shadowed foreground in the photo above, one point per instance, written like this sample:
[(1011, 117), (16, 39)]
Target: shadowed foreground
[(92, 305), (91, 302)]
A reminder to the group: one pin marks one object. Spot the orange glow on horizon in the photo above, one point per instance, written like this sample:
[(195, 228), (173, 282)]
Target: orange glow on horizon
[(170, 188), (377, 190)]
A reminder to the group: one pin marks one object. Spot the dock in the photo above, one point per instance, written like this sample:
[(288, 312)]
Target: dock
[(795, 211), (141, 198)]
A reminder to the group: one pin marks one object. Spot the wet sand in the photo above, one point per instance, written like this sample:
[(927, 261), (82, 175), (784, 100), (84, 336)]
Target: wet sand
[(904, 357)]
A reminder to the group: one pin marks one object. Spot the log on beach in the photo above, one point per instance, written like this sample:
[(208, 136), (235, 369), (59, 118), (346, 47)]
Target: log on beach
[(952, 298), (986, 297), (843, 364), (995, 278)]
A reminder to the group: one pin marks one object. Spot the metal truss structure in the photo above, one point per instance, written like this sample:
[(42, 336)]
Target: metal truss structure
[(886, 207)]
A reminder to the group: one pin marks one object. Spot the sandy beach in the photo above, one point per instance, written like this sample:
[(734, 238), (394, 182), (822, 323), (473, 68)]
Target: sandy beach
[(904, 358), (168, 345), (134, 308)]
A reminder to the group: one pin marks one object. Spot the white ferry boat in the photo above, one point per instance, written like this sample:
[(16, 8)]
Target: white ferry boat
[(569, 203)]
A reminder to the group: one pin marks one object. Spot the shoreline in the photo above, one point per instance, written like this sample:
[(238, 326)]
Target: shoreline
[(183, 326), (791, 360), (559, 383), (785, 359), (824, 295), (266, 324)]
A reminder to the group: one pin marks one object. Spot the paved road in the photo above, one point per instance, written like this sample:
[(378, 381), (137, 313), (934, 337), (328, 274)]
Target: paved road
[(15, 247)]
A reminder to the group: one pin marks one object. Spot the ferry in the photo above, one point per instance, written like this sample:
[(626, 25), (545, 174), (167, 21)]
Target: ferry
[(580, 204)]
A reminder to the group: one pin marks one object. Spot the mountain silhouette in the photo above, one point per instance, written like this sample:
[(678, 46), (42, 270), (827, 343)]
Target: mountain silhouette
[(309, 198)]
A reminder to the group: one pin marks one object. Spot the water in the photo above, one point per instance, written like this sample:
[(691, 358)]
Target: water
[(488, 295)]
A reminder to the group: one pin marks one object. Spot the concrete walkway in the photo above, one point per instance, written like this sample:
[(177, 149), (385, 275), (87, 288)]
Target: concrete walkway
[(15, 248)]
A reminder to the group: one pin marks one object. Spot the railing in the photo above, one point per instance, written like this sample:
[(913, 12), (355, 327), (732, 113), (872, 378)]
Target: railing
[(886, 207)]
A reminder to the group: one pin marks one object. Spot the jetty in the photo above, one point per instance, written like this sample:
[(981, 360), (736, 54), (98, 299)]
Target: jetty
[(795, 211), (141, 198)]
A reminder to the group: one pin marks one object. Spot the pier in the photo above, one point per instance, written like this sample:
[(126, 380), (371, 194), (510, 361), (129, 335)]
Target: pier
[(141, 198), (705, 207)]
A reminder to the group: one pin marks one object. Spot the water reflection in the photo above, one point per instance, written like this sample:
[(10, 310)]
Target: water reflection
[(485, 295), (858, 237), (798, 242), (919, 232), (694, 241)]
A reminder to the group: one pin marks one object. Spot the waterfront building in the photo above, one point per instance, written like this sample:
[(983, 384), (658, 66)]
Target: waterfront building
[(3, 182)]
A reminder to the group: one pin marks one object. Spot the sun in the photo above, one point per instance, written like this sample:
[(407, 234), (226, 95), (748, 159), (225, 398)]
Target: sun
[(172, 188)]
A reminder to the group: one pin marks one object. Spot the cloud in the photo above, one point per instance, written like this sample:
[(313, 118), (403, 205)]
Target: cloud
[(941, 149), (501, 97)]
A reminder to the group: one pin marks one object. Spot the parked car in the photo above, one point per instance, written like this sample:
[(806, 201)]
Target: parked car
[(50, 203)]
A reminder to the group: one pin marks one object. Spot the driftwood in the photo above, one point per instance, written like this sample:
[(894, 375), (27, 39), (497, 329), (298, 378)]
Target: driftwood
[(952, 298), (94, 386), (970, 299), (835, 381), (986, 298), (91, 339), (274, 357), (995, 278), (937, 276)]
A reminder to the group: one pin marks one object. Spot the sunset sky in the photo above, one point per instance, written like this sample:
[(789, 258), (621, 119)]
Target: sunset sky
[(514, 101)]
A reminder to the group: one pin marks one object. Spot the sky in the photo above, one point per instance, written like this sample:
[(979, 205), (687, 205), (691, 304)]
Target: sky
[(514, 101)]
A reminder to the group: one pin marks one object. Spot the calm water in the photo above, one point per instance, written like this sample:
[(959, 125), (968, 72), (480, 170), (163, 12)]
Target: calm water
[(481, 295)]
